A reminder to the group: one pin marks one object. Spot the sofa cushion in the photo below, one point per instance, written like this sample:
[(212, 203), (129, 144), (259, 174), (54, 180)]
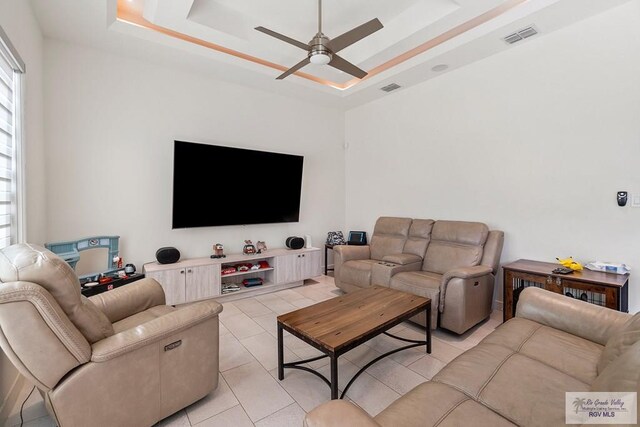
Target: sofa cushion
[(419, 237), (424, 284), (455, 244), (462, 232), (521, 389), (620, 342), (529, 392), (389, 236), (567, 353), (431, 404), (622, 374), (470, 371), (32, 263), (357, 272)]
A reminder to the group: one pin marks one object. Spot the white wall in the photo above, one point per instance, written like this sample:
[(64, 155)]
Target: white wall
[(535, 141), (18, 21), (111, 122)]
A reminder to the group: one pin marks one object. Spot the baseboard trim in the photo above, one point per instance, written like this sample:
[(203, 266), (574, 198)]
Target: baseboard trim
[(11, 399)]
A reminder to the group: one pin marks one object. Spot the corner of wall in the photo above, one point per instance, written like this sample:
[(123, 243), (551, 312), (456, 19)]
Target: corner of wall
[(11, 398)]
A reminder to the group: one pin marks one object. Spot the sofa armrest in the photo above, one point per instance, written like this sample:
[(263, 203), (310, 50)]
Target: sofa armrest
[(130, 299), (154, 330), (338, 413), (402, 259), (348, 253), (467, 272), (466, 276), (580, 318)]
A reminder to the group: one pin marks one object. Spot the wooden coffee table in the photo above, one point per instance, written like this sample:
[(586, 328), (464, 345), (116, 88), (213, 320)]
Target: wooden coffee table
[(340, 324)]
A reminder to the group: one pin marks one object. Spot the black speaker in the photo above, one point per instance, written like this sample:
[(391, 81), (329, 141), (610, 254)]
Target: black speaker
[(295, 242), (167, 255)]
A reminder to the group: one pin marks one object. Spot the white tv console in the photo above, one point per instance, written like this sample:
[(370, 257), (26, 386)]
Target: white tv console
[(200, 278)]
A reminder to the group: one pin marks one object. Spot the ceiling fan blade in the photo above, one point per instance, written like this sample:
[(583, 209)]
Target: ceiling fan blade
[(352, 36), (283, 38), (293, 69), (346, 66)]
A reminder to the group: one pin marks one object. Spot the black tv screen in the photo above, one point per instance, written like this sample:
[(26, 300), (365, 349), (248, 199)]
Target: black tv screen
[(217, 185)]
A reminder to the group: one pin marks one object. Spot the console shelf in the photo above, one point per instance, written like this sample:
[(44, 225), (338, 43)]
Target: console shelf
[(266, 287), (201, 278), (243, 273)]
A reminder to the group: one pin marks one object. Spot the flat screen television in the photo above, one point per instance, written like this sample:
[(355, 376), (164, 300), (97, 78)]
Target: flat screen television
[(217, 185)]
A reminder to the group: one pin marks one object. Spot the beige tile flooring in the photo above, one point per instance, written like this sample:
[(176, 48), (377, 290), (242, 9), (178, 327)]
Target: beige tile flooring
[(249, 393)]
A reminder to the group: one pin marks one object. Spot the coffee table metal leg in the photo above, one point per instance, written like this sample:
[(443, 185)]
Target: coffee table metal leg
[(334, 377), (280, 353), (429, 328)]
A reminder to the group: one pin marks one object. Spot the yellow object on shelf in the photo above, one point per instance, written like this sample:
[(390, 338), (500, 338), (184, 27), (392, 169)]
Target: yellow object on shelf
[(570, 263)]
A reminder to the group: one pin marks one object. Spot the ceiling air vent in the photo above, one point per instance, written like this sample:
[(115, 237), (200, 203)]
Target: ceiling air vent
[(520, 35), (390, 87)]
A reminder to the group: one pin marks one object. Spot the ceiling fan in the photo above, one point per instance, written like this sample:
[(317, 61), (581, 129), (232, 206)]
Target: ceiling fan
[(323, 50)]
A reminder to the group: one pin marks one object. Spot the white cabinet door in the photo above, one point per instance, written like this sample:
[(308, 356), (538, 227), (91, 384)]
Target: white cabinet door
[(173, 284), (298, 266), (311, 265), (287, 268), (202, 282)]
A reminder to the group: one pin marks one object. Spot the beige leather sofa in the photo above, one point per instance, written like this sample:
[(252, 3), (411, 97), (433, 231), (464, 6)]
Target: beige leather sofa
[(517, 375), (120, 358), (452, 262)]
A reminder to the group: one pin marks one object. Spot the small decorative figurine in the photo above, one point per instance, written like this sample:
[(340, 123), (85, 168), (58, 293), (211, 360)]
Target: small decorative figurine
[(248, 248), (218, 251), (261, 246), (117, 262)]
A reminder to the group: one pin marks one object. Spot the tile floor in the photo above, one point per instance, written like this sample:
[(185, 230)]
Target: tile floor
[(249, 393)]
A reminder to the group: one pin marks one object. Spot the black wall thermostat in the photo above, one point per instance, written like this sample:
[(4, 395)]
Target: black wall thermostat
[(622, 198), (357, 238)]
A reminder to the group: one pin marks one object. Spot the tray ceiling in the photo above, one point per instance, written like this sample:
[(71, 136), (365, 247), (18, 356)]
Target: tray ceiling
[(226, 26), (421, 39)]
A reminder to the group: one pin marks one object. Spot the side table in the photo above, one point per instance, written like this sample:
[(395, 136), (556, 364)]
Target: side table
[(327, 246), (606, 289)]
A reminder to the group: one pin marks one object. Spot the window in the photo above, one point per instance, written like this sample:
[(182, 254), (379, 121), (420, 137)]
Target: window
[(11, 210)]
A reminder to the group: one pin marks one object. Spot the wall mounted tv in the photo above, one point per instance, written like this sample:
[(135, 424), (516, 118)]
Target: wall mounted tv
[(216, 185)]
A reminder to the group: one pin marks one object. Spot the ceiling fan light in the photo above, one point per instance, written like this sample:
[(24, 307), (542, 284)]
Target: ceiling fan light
[(320, 58)]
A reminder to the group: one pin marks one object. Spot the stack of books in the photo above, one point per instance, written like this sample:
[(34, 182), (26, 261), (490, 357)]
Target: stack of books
[(228, 288)]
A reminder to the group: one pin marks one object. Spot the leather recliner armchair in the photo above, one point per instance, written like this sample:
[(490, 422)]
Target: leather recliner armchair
[(122, 357), (458, 274), (397, 244)]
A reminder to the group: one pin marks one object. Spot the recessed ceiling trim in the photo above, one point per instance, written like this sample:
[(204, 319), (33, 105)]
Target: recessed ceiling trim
[(128, 14), (444, 37)]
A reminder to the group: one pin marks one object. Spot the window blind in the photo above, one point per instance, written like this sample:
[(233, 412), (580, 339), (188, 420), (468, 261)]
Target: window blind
[(11, 68)]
